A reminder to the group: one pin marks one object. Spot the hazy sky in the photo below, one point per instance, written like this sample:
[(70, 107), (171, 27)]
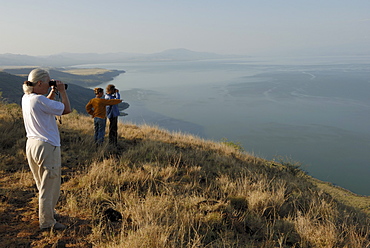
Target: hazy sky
[(45, 27)]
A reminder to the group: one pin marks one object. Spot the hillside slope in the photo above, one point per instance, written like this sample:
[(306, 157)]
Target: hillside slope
[(11, 81), (161, 189)]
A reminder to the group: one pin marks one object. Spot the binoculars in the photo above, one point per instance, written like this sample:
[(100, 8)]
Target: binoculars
[(53, 83)]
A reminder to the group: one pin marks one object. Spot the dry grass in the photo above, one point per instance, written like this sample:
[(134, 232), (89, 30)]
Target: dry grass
[(345, 196), (168, 190)]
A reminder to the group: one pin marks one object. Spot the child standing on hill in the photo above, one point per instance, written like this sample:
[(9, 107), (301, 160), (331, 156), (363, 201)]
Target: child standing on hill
[(97, 109), (112, 113)]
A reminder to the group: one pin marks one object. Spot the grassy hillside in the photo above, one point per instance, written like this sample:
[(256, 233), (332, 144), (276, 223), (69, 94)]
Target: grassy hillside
[(162, 189)]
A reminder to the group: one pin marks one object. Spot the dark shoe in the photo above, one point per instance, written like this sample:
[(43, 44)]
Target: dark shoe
[(57, 226)]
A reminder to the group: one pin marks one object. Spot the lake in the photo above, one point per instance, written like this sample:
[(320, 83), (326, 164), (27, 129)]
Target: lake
[(312, 110)]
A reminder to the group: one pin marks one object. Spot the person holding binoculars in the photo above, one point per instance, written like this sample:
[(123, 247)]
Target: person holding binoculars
[(112, 113), (43, 140)]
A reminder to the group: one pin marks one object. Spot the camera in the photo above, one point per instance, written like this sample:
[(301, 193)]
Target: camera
[(53, 83)]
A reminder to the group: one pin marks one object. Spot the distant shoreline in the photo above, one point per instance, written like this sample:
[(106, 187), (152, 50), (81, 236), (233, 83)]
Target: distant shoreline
[(87, 71), (80, 82)]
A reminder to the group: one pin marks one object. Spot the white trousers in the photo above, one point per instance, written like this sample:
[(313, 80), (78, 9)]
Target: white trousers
[(45, 163)]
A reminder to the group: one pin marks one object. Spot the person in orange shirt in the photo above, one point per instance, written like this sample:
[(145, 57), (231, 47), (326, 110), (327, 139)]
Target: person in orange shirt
[(97, 109)]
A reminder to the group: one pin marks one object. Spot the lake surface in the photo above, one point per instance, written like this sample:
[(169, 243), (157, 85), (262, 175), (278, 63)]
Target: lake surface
[(312, 110)]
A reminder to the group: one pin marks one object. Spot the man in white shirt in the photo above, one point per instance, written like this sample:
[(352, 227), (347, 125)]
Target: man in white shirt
[(43, 140)]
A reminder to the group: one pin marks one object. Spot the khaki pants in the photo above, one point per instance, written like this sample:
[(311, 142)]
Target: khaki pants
[(45, 163)]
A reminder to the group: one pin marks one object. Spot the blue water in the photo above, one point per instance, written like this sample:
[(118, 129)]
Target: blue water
[(312, 110)]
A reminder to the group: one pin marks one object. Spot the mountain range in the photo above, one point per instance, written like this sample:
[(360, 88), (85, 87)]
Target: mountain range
[(70, 59)]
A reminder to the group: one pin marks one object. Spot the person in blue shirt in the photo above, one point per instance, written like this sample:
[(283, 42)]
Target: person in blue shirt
[(112, 113)]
